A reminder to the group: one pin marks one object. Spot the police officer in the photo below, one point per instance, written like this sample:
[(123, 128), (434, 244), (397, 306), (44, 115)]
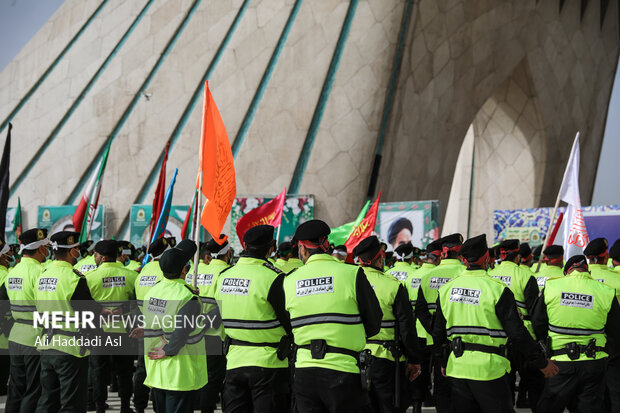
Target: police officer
[(287, 257), (476, 315), (24, 384), (333, 309), (396, 341), (403, 266), (554, 261), (251, 301), (112, 286), (64, 366), (597, 254), (614, 255), (5, 318), (449, 268), (216, 258), (87, 261), (523, 285), (176, 363), (525, 251), (127, 253), (150, 274), (339, 252), (575, 314), (421, 386)]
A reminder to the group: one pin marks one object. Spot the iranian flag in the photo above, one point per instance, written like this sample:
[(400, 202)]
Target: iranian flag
[(85, 212)]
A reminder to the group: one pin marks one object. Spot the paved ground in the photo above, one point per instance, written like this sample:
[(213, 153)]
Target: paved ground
[(115, 405)]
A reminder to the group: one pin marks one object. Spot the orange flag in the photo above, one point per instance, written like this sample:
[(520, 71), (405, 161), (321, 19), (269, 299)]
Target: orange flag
[(218, 171), (365, 228)]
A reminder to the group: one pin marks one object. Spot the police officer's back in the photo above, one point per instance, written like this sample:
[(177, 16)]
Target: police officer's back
[(251, 301), (333, 309), (112, 286), (476, 315), (24, 384), (450, 267), (395, 352), (575, 315), (553, 268), (86, 262), (64, 365), (403, 268), (287, 257), (614, 255)]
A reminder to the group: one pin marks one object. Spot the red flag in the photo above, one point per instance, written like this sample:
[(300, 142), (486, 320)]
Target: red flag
[(269, 213), (160, 192), (365, 228), (218, 170)]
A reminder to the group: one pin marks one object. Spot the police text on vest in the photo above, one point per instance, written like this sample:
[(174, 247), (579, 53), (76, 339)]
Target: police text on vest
[(311, 286), (465, 296), (577, 300), (235, 286)]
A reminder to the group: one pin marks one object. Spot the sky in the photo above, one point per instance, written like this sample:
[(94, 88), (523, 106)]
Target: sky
[(21, 19)]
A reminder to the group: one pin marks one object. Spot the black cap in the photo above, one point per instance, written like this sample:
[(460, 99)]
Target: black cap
[(576, 261), (213, 247), (159, 246), (64, 238), (368, 248), (126, 245), (340, 248), (404, 250), (188, 247), (596, 247), (311, 230), (525, 250), (173, 261), (107, 248), (417, 252), (537, 251), (435, 247), (285, 248), (474, 248), (614, 251), (259, 236), (85, 246), (451, 240), (32, 235), (509, 245), (554, 251), (397, 226)]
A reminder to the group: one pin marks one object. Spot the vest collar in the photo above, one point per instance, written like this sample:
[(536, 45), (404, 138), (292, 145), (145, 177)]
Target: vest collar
[(474, 273), (449, 261), (370, 270), (216, 261), (295, 260), (507, 264), (428, 265), (599, 266), (402, 264), (111, 264), (30, 260), (321, 258), (58, 263), (250, 260), (578, 274), (174, 281)]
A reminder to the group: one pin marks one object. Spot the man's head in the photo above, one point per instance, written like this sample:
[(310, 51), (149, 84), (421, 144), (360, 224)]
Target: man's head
[(433, 252), (536, 252), (285, 250), (5, 254), (126, 252), (509, 251), (259, 242), (106, 251), (66, 246), (369, 253), (525, 251), (311, 238), (554, 255), (451, 246), (577, 263), (35, 244), (596, 251), (405, 253), (217, 251), (475, 252), (614, 253), (174, 262), (400, 232), (340, 252), (86, 247)]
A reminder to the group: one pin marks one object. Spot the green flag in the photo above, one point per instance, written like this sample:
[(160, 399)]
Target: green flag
[(340, 235)]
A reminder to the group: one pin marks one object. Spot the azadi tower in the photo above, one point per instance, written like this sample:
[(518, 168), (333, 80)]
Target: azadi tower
[(471, 102)]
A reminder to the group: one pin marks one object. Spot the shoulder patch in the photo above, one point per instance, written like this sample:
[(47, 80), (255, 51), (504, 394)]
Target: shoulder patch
[(226, 269), (272, 268), (79, 274)]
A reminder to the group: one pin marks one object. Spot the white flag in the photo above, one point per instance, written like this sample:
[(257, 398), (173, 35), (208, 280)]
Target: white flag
[(575, 232)]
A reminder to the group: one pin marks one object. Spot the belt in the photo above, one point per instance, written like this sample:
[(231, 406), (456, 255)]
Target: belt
[(339, 350), (500, 351), (582, 349), (235, 342)]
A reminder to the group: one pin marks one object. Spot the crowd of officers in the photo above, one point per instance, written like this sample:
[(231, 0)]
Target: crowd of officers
[(306, 327)]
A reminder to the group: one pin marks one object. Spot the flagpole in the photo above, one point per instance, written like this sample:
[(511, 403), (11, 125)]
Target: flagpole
[(197, 234), (278, 235)]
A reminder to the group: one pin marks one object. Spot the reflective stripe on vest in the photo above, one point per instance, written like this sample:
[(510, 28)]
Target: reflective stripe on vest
[(574, 331), (480, 331), (250, 324), (324, 318)]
